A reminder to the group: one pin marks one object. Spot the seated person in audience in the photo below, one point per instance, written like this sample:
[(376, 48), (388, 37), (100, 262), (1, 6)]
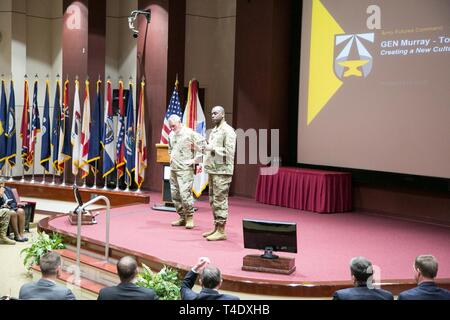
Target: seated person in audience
[(425, 270), (47, 288), (362, 275), (210, 280), (17, 215), (126, 289), (4, 223)]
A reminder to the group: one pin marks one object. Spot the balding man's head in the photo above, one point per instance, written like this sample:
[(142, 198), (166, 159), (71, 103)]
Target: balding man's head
[(211, 277), (126, 269)]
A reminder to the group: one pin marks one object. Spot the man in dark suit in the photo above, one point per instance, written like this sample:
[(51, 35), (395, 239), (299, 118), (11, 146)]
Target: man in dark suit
[(126, 290), (362, 275), (17, 215), (210, 280), (46, 288), (425, 270)]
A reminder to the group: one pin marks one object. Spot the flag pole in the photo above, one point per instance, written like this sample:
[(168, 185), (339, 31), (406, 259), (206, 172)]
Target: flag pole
[(117, 180), (10, 172), (128, 187), (32, 173), (106, 183), (31, 142), (53, 179), (95, 176), (43, 178), (23, 171), (64, 176)]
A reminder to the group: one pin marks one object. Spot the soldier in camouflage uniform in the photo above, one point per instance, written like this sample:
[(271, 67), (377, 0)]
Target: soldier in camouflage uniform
[(184, 152), (4, 222), (219, 164)]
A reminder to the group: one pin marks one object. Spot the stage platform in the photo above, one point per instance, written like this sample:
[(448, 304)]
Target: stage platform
[(65, 193), (326, 243)]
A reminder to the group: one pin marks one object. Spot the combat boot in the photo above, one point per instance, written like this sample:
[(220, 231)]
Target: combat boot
[(189, 222), (180, 222), (208, 233), (219, 234)]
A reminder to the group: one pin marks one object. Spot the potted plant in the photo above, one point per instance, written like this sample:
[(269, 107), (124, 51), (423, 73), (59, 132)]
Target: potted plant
[(166, 283), (40, 246)]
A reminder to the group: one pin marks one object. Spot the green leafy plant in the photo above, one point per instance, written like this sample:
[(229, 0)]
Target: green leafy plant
[(166, 283), (40, 246)]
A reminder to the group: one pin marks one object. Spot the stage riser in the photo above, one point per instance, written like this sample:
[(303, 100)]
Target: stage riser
[(65, 193)]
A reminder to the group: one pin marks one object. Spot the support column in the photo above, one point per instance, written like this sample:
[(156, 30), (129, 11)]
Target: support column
[(83, 43), (262, 74), (159, 58)]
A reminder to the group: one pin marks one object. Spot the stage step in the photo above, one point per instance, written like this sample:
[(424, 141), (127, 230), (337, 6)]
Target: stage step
[(92, 268)]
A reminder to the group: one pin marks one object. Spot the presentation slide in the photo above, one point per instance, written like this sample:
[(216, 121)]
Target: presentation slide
[(375, 85)]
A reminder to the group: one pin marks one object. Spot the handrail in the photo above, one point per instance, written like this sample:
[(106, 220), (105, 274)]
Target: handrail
[(108, 206)]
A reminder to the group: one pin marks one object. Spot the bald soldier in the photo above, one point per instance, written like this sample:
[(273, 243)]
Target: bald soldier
[(184, 152), (219, 164)]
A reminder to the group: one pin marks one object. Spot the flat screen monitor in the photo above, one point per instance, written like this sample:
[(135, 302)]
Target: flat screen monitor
[(270, 236)]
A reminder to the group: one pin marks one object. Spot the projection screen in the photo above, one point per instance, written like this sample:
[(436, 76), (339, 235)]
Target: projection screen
[(375, 85)]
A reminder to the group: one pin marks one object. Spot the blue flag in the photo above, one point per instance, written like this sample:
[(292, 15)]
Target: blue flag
[(56, 127), (3, 107), (11, 143), (109, 155), (64, 146), (96, 127), (45, 135), (130, 147), (120, 150)]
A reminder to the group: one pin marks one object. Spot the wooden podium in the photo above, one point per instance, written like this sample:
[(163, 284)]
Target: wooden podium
[(162, 153), (162, 157), (281, 265)]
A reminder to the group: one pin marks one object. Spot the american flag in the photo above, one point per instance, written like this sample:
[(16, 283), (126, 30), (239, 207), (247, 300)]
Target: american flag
[(173, 108)]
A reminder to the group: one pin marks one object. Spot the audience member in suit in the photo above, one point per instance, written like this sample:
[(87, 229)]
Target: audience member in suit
[(126, 289), (425, 270), (210, 280), (362, 275), (17, 215), (46, 288)]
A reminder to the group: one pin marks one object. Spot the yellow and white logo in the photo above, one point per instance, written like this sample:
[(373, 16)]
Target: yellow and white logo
[(334, 56), (344, 66)]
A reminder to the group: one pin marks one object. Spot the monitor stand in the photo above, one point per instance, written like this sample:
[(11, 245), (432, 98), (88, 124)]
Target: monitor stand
[(268, 254), (268, 263)]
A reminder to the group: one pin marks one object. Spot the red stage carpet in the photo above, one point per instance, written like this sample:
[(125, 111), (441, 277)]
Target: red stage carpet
[(326, 242)]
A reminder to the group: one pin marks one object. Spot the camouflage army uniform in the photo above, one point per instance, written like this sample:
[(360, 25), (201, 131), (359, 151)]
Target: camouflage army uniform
[(219, 165), (183, 146), (4, 222)]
